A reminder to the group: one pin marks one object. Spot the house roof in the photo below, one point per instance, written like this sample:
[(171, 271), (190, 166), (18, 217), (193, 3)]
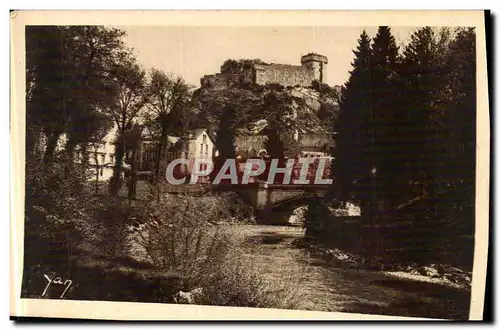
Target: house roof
[(194, 133)]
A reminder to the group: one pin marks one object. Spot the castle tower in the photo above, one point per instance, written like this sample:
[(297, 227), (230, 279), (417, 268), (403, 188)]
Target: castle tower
[(317, 64)]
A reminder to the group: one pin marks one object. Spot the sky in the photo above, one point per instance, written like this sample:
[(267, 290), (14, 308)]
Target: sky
[(192, 52)]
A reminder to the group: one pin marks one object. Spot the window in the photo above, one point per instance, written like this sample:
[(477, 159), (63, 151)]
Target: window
[(103, 159), (100, 172), (204, 138)]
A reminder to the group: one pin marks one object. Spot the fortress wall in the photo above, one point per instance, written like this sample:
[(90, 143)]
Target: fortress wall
[(286, 75), (248, 76), (313, 68), (220, 80)]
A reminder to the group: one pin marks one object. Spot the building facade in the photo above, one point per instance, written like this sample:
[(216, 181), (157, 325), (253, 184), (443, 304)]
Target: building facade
[(100, 155), (313, 144), (196, 144), (101, 159)]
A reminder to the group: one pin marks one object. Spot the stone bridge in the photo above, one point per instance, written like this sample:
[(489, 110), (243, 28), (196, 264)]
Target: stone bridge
[(271, 201)]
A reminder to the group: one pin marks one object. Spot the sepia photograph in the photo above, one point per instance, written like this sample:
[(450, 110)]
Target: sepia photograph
[(289, 165)]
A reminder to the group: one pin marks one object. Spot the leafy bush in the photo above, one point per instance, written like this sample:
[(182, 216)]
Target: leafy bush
[(316, 215), (239, 283), (56, 209), (180, 237), (109, 232), (61, 214), (237, 209)]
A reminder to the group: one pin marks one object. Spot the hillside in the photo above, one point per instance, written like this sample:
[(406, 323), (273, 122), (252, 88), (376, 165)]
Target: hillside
[(299, 108)]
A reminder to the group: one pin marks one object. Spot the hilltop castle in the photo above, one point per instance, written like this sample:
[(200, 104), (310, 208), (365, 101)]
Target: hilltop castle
[(313, 67)]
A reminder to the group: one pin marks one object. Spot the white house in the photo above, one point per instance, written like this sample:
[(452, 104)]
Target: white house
[(194, 144), (101, 156)]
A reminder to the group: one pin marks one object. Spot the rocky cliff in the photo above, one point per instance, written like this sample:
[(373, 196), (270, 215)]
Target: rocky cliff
[(310, 109)]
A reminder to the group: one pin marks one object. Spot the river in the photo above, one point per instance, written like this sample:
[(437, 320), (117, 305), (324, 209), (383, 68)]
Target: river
[(340, 288)]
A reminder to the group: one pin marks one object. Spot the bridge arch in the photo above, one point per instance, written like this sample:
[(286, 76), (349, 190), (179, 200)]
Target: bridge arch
[(269, 200)]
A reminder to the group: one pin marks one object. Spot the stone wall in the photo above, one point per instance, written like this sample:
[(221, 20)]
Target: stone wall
[(321, 142), (253, 143), (313, 67), (220, 80), (286, 75), (316, 141)]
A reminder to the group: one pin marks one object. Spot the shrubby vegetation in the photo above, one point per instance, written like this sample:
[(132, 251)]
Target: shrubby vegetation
[(82, 81), (115, 251), (238, 282)]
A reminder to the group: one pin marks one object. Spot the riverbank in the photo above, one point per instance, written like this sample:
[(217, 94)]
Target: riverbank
[(339, 287)]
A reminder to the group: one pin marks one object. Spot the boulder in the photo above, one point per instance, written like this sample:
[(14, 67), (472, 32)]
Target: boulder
[(189, 297), (428, 271), (298, 216)]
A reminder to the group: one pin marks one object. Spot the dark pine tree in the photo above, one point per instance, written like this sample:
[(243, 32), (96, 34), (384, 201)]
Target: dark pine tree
[(353, 160), (460, 164), (384, 127), (462, 116), (423, 78)]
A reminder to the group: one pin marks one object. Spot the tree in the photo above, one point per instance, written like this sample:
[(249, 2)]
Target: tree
[(237, 66), (462, 117), (95, 141), (317, 213), (425, 75), (96, 49), (65, 67), (133, 141), (274, 145), (385, 98), (47, 92), (225, 139), (128, 81), (230, 66), (168, 98), (353, 160)]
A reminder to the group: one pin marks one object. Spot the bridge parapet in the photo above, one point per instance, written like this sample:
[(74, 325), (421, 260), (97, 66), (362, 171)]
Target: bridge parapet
[(264, 196)]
